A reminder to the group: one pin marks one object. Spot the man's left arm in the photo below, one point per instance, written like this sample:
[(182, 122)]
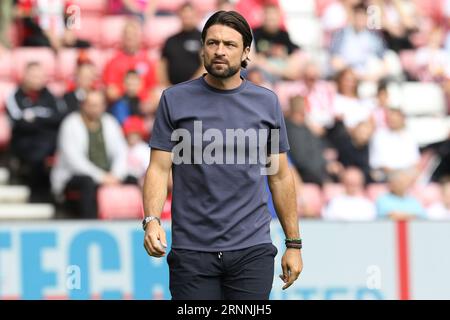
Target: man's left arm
[(285, 201)]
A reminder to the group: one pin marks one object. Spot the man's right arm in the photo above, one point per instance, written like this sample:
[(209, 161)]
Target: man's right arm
[(155, 194)]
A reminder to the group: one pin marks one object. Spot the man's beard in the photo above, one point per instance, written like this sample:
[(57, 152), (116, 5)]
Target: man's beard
[(224, 73)]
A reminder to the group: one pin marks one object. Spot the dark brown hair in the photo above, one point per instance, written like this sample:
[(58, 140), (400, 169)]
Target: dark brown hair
[(233, 20)]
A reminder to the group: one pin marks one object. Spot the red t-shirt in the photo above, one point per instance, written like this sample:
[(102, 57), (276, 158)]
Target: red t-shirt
[(121, 63)]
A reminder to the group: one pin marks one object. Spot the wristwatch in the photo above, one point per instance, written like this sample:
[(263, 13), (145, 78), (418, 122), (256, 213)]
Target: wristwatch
[(148, 219)]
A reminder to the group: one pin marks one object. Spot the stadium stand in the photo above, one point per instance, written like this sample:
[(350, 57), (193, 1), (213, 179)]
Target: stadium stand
[(425, 103)]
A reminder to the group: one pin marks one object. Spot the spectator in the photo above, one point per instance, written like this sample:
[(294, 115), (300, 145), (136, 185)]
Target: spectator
[(44, 24), (398, 22), (35, 116), (92, 151), (256, 76), (352, 145), (352, 205), (346, 104), (441, 210), (337, 15), (253, 11), (138, 156), (432, 61), (393, 148), (225, 5), (319, 96), (181, 53), (130, 57), (130, 103), (85, 81), (358, 47), (307, 150), (276, 54), (397, 204)]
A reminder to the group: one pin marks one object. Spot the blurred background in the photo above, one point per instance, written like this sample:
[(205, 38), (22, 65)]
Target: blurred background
[(365, 90)]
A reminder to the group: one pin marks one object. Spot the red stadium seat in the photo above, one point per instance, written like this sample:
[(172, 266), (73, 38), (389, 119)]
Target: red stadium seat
[(90, 29), (332, 190), (5, 130), (374, 190), (66, 62), (120, 202), (111, 28), (22, 56), (427, 194), (90, 7), (6, 89), (312, 202), (158, 29), (5, 64)]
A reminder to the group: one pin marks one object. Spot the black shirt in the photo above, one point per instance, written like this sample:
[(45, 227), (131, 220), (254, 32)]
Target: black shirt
[(349, 153), (306, 153), (182, 54), (268, 43)]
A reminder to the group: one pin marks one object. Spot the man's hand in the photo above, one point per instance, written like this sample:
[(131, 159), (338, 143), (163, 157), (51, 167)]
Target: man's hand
[(292, 266), (155, 240)]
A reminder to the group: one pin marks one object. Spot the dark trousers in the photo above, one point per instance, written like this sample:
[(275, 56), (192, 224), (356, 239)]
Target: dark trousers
[(81, 196), (245, 274)]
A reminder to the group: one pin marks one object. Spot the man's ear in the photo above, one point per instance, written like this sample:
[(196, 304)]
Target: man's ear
[(245, 54)]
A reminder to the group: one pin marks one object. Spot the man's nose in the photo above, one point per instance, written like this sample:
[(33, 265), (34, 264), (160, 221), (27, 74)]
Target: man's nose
[(220, 50)]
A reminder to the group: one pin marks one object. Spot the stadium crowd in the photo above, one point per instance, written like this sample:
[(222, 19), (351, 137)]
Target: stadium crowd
[(80, 82)]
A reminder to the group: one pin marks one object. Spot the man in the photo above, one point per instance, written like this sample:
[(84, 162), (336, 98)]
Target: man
[(307, 151), (180, 56), (358, 47), (131, 56), (352, 145), (92, 151), (221, 246), (393, 148), (35, 117), (85, 80), (277, 55), (398, 204), (352, 205)]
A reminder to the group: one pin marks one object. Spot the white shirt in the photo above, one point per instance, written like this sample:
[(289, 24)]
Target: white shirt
[(350, 208), (353, 110), (393, 149), (438, 211)]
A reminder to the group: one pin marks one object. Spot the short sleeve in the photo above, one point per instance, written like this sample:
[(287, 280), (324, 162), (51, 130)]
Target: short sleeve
[(162, 127), (280, 135)]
